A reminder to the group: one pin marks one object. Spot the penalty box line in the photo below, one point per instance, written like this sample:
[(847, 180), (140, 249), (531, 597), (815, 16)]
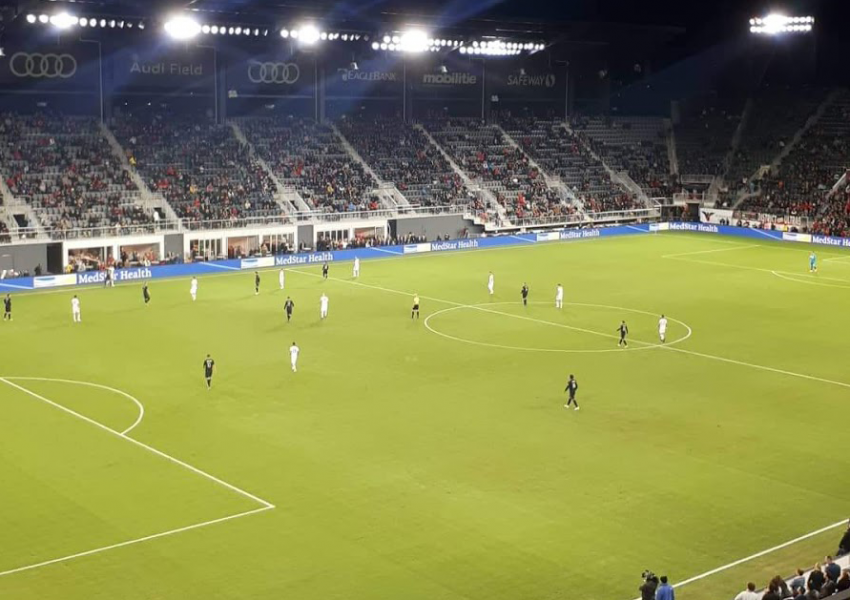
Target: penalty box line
[(264, 504)]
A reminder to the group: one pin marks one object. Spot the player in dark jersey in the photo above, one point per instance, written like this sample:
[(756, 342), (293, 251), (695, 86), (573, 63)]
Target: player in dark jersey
[(209, 363), (524, 293), (7, 308), (256, 283), (288, 306), (571, 389), (624, 331), (146, 293), (325, 271)]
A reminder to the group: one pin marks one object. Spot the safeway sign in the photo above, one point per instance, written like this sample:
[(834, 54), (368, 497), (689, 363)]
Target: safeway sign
[(548, 80)]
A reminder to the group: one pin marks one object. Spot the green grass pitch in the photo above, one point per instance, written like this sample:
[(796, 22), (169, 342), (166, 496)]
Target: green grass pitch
[(431, 461)]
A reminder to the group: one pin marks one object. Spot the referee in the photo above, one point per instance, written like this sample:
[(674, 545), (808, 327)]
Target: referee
[(209, 364), (7, 308), (571, 389)]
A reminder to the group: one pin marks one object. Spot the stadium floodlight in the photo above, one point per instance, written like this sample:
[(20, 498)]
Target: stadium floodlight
[(205, 29), (413, 41), (31, 18), (308, 34), (214, 30), (375, 45), (775, 24), (63, 20), (284, 33), (182, 27), (43, 19)]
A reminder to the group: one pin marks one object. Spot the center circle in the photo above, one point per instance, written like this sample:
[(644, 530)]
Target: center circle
[(635, 345)]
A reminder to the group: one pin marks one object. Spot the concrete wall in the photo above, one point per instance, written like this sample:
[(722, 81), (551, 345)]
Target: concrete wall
[(174, 243), (432, 227), (23, 257)]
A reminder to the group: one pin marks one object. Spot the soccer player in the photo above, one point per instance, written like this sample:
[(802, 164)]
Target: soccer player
[(559, 296), (813, 263), (75, 310), (288, 306), (145, 293), (624, 331), (356, 272), (256, 283), (491, 283), (7, 308), (662, 328), (209, 363), (109, 281), (293, 356), (415, 309), (325, 271), (323, 306), (281, 279), (193, 289), (524, 293), (572, 388)]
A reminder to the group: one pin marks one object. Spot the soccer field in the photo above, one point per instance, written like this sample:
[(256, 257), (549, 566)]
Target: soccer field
[(431, 458)]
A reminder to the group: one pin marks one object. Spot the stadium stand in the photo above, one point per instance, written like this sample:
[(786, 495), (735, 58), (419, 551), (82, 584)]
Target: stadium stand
[(704, 136), (562, 154), (400, 153), (64, 168), (776, 115), (310, 157), (800, 184), (203, 172), (483, 153)]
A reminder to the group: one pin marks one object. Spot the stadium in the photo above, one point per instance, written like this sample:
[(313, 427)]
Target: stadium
[(399, 300)]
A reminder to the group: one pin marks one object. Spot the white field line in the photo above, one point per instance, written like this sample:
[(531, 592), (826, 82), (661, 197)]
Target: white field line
[(832, 285), (693, 353), (166, 280), (138, 404), (748, 268), (135, 541), (142, 445), (837, 259), (746, 559), (743, 247), (13, 286)]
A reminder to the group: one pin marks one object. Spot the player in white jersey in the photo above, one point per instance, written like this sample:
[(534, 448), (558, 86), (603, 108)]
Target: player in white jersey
[(110, 276), (75, 310), (662, 328), (281, 278), (491, 283), (356, 272), (293, 356), (193, 289), (323, 306), (559, 296)]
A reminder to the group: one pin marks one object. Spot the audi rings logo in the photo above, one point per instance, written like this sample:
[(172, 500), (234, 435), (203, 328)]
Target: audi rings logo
[(47, 66), (273, 72)]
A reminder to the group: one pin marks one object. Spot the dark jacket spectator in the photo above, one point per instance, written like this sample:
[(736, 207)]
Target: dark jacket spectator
[(843, 582), (832, 570), (816, 578)]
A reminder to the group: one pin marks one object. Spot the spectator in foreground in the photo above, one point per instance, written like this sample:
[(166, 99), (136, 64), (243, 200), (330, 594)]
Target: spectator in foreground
[(665, 590), (749, 593), (799, 582), (816, 578), (843, 582), (781, 587), (772, 592), (844, 544), (832, 570)]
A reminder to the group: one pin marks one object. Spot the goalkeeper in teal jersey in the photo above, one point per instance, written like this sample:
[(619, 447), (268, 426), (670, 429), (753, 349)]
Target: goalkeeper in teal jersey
[(813, 263)]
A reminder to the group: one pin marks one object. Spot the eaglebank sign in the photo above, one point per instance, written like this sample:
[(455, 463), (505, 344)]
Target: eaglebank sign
[(547, 80), (377, 76), (303, 259), (449, 79), (120, 275)]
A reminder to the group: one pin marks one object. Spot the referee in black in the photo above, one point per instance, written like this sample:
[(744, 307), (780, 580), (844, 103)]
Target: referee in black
[(146, 293), (524, 293), (624, 331), (7, 308), (209, 363), (571, 389), (256, 283), (325, 271), (288, 306)]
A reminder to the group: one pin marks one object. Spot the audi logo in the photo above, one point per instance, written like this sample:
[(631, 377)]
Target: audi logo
[(273, 72), (49, 66)]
